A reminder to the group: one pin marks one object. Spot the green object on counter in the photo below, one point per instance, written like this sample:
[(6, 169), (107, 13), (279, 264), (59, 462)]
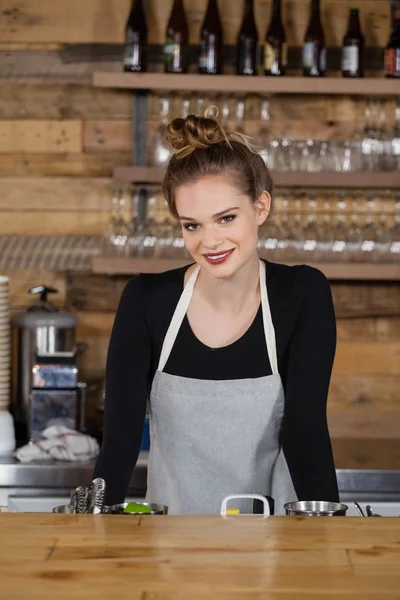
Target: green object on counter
[(136, 507)]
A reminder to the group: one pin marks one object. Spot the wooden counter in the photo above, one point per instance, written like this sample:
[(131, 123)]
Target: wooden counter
[(188, 558)]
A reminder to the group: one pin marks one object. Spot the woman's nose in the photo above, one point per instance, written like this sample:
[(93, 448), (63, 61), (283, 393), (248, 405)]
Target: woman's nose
[(210, 239)]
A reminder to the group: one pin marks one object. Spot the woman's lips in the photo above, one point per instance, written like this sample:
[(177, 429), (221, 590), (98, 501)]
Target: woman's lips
[(217, 259)]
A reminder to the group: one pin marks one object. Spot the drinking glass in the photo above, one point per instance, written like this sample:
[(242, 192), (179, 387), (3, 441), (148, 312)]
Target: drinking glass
[(161, 151), (339, 231)]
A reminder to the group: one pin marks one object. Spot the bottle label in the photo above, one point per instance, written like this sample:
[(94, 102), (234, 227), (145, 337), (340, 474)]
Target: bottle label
[(173, 55), (392, 62), (322, 60), (314, 58), (269, 57), (350, 59), (132, 57), (308, 55)]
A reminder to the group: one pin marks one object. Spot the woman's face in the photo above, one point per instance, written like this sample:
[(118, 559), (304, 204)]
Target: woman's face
[(220, 224)]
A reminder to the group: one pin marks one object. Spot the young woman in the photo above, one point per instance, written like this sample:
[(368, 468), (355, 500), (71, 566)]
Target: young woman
[(234, 353)]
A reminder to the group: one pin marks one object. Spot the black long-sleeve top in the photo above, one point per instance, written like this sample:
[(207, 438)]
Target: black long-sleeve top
[(305, 329)]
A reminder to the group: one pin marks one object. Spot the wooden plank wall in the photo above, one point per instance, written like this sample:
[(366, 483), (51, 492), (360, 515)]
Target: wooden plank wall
[(60, 139)]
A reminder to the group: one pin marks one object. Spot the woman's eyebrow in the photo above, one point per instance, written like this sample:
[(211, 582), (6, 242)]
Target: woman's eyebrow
[(218, 214)]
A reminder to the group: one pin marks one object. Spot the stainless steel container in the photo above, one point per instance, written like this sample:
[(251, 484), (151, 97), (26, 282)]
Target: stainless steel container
[(42, 329), (316, 509), (118, 509)]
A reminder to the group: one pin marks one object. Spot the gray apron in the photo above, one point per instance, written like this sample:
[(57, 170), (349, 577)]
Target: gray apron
[(211, 438)]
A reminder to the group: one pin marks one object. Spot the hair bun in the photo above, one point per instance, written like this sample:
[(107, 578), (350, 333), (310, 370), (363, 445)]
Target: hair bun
[(192, 133)]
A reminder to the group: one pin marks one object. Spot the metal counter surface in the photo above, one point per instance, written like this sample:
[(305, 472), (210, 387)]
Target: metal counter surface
[(353, 484)]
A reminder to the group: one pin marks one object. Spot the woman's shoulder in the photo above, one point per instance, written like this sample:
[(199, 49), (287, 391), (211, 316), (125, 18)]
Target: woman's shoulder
[(158, 287), (300, 280)]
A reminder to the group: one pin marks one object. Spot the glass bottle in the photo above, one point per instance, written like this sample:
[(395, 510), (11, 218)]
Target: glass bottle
[(392, 50), (247, 42), (275, 48), (352, 63), (135, 53), (211, 41), (314, 51), (176, 43)]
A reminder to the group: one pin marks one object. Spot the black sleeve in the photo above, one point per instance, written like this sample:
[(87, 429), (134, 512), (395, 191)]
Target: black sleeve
[(305, 436), (127, 375)]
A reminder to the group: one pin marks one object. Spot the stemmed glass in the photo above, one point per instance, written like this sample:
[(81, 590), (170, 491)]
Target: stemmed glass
[(263, 138), (119, 230), (161, 150), (394, 248), (339, 232), (325, 234), (368, 231), (311, 229), (354, 234)]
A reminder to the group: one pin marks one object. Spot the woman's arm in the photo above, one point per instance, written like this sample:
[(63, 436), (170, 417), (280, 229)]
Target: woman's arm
[(305, 436), (127, 373)]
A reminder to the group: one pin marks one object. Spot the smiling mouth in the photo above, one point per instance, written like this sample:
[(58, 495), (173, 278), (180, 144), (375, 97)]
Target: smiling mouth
[(218, 258)]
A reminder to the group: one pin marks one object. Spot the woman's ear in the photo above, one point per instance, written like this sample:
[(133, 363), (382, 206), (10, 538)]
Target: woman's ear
[(262, 207)]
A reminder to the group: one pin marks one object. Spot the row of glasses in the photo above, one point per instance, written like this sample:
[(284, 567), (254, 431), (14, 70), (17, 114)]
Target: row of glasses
[(374, 148), (343, 227), (310, 225)]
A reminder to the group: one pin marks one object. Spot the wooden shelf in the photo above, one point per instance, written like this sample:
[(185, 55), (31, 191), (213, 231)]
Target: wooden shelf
[(333, 271), (245, 84), (365, 180)]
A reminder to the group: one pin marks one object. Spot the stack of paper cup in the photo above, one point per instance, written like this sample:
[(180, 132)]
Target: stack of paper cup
[(7, 437)]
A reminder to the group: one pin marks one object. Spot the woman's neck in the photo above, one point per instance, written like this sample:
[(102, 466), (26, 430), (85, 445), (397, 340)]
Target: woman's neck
[(234, 293)]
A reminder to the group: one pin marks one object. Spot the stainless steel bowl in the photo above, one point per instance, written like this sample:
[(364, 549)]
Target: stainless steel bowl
[(316, 509), (63, 508), (118, 509)]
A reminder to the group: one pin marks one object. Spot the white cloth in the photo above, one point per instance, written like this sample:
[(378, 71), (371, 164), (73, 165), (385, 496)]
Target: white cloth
[(60, 443)]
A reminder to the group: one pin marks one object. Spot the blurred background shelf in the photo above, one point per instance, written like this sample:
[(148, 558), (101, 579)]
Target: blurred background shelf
[(248, 85), (361, 179), (333, 271)]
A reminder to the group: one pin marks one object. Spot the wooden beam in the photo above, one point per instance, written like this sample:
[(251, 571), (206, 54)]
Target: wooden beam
[(334, 271), (370, 424), (36, 136), (365, 180), (59, 194), (248, 85), (54, 223), (365, 391), (106, 136), (62, 101), (367, 358), (100, 164)]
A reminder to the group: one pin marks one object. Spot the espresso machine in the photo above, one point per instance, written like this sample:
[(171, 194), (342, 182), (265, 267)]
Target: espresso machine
[(44, 370)]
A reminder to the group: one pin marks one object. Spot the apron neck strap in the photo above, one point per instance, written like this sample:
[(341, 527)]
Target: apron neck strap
[(183, 305)]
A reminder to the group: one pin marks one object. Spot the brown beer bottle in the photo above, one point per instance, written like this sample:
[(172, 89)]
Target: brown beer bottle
[(135, 53), (392, 50), (314, 51), (275, 48), (352, 63), (211, 41), (247, 42), (176, 43)]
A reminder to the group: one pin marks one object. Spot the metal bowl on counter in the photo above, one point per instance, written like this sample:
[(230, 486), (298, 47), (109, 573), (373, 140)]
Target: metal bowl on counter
[(142, 508), (63, 508), (316, 509)]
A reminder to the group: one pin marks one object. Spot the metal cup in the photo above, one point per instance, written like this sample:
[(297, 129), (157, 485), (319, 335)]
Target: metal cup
[(311, 508)]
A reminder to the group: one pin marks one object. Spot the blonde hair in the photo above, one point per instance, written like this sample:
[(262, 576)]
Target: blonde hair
[(204, 148)]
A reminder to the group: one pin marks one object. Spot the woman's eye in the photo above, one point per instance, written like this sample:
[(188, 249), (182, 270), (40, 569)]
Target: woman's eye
[(191, 226), (228, 218)]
